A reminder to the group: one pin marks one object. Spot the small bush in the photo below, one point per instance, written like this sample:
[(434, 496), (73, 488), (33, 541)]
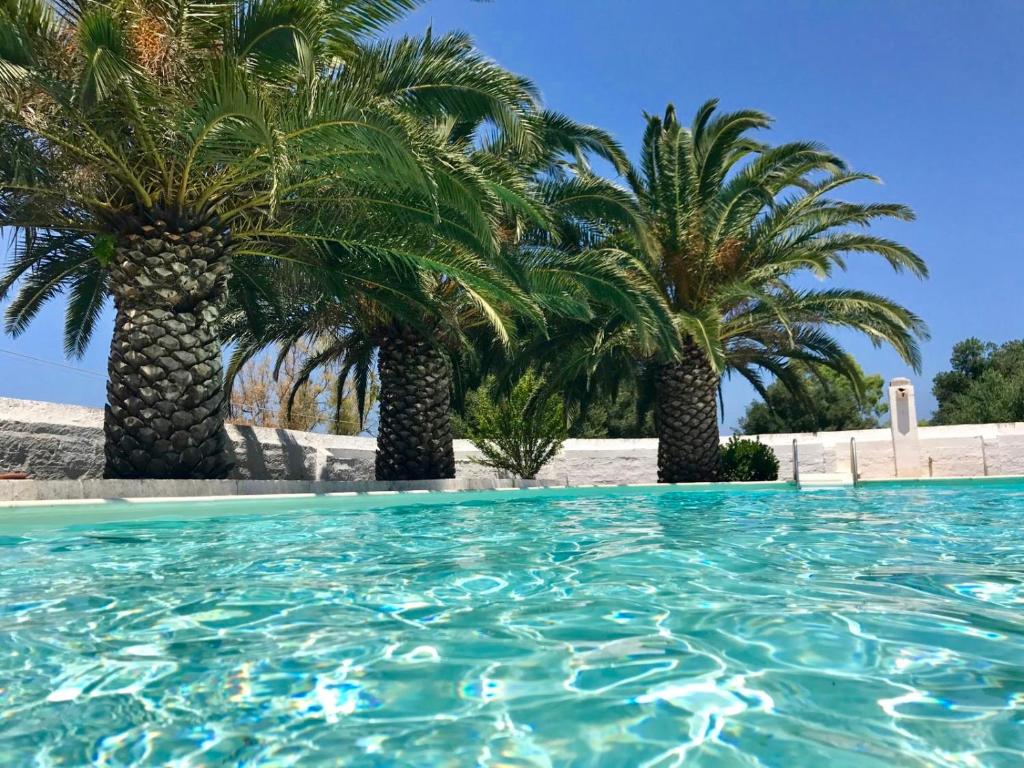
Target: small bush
[(518, 434), (748, 460)]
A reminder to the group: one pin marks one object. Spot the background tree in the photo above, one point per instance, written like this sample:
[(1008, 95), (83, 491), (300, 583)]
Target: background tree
[(263, 390), (985, 385), (825, 401), (594, 293), (613, 415)]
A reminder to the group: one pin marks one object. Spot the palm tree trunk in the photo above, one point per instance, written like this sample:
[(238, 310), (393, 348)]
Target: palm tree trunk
[(165, 389), (415, 433), (687, 419)]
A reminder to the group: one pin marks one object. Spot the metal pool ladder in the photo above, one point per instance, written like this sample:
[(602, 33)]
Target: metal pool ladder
[(816, 481)]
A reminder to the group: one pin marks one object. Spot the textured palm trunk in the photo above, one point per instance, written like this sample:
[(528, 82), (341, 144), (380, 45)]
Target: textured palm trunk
[(687, 410), (415, 433), (165, 390)]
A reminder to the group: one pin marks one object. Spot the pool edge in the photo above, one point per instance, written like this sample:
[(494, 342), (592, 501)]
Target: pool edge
[(56, 493), (358, 497)]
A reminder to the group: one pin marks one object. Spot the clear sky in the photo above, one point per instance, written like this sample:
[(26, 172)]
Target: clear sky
[(926, 94)]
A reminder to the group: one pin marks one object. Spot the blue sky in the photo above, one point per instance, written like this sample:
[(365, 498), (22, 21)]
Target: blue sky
[(924, 93)]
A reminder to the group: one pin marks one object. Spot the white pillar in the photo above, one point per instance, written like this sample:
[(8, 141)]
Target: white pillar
[(903, 424)]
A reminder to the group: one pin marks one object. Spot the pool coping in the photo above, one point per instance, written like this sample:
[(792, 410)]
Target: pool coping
[(361, 497), (909, 482), (25, 515), (54, 493), (27, 493), (51, 493)]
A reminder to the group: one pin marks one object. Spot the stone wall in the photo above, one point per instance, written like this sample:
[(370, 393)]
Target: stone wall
[(65, 442), (51, 441), (54, 442)]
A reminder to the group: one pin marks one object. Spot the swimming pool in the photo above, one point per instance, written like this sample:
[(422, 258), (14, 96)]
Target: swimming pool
[(867, 627)]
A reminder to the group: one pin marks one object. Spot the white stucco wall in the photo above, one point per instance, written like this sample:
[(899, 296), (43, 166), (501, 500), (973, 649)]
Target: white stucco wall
[(962, 450), (53, 441), (945, 452)]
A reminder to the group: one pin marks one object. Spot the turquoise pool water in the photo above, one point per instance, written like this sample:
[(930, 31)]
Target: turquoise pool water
[(875, 627)]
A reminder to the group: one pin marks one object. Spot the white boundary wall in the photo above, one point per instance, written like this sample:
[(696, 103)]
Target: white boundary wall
[(56, 442), (958, 451)]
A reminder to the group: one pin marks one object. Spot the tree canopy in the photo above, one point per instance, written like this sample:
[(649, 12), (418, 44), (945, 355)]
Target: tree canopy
[(985, 385), (827, 402), (732, 224), (270, 175), (275, 121)]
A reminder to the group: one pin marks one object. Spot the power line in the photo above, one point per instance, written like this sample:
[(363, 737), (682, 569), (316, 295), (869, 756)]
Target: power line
[(73, 368)]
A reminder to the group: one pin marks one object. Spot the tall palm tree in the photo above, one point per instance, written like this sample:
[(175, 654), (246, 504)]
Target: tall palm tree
[(159, 151), (406, 319), (413, 348), (732, 223)]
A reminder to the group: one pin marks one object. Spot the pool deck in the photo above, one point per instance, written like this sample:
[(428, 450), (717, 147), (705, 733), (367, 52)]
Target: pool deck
[(51, 493)]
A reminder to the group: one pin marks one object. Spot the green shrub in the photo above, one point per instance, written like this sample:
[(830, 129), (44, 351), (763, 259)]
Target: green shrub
[(748, 460), (517, 434)]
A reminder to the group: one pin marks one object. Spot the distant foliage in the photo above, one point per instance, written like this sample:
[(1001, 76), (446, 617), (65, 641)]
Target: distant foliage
[(259, 398), (519, 433), (985, 385), (748, 460), (615, 417), (828, 403)]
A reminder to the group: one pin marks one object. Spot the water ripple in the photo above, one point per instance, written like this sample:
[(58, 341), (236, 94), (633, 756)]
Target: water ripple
[(848, 629)]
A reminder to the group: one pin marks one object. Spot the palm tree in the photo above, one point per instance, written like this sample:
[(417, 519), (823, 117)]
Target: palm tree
[(732, 222), (158, 152), (413, 347), (549, 213), (538, 198), (408, 331), (461, 284)]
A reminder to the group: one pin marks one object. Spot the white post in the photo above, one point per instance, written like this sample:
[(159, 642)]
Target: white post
[(903, 416)]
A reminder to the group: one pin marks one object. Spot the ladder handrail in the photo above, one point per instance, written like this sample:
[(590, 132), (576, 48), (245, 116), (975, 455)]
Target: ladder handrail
[(853, 460), (796, 463)]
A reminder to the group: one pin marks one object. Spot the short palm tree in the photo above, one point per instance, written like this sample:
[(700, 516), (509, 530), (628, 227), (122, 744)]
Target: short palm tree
[(454, 283), (732, 222), (421, 342), (547, 204), (157, 152), (407, 329)]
